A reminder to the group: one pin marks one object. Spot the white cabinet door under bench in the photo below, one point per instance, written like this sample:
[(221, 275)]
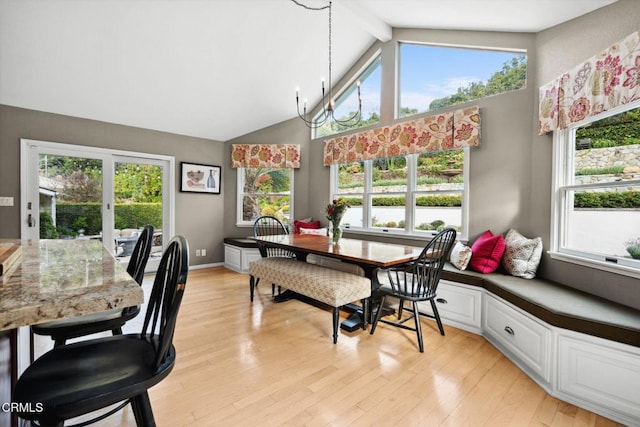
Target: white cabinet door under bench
[(600, 375), (520, 336), (459, 305)]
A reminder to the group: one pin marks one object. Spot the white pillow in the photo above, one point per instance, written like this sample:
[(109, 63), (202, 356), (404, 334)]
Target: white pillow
[(314, 231), (521, 255), (460, 256)]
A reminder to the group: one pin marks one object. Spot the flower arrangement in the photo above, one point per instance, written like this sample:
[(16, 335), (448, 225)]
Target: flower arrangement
[(334, 213), (633, 247)]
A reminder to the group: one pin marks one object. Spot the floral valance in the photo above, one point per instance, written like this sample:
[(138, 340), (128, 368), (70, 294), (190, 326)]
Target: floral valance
[(453, 129), (265, 155), (607, 80)]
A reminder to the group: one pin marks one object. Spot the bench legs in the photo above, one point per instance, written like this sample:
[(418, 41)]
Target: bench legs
[(253, 282), (336, 317)]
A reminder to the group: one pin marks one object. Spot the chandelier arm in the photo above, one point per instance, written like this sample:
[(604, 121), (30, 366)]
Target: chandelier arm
[(327, 106), (309, 7)]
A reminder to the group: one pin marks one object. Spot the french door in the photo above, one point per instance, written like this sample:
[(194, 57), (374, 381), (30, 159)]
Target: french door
[(77, 192)]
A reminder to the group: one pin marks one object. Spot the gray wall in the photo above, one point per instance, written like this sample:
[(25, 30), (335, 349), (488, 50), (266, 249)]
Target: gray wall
[(197, 215), (560, 49)]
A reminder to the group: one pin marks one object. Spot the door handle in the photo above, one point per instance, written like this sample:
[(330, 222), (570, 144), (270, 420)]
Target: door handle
[(508, 330)]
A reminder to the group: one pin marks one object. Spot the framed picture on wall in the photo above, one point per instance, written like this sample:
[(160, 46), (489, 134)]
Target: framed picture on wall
[(199, 178)]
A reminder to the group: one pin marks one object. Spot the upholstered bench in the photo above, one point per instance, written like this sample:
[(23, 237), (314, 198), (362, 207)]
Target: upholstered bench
[(329, 286)]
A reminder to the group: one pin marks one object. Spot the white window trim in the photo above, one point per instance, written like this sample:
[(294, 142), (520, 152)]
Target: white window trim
[(562, 167), (408, 232), (240, 193)]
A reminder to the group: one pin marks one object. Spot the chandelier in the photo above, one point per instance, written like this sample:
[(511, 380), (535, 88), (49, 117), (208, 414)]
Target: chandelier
[(327, 107)]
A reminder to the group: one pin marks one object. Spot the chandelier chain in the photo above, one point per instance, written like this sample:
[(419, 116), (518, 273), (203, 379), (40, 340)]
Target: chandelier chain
[(328, 108)]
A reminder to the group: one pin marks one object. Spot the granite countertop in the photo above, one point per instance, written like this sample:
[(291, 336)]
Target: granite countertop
[(55, 279)]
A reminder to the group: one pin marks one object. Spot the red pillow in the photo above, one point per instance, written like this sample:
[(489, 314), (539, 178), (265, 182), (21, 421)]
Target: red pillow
[(486, 252), (297, 225)]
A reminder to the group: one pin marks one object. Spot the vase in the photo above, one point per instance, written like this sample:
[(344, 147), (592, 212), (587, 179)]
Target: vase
[(335, 233)]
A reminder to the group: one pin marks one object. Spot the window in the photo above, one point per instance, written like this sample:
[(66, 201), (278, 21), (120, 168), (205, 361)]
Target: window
[(264, 191), (414, 195), (346, 104), (433, 77), (596, 218)]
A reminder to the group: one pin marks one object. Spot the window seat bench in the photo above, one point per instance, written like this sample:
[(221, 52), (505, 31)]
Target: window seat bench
[(558, 305), (578, 347)]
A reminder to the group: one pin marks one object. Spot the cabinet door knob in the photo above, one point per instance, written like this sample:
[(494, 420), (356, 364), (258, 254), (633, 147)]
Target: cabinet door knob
[(508, 330), (442, 301)]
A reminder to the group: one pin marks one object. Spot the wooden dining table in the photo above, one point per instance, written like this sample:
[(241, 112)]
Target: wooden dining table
[(43, 280), (369, 255)]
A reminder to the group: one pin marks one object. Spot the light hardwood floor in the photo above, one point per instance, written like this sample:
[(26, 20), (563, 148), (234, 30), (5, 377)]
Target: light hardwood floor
[(262, 363)]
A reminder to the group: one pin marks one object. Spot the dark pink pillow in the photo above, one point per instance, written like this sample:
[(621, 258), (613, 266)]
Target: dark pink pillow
[(486, 252), (297, 225)]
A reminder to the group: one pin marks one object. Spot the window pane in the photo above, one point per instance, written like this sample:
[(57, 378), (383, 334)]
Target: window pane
[(353, 216), (608, 150), (138, 202), (441, 170), (611, 214), (437, 211), (347, 103), (388, 212), (351, 178), (267, 191), (70, 197), (433, 77), (390, 175)]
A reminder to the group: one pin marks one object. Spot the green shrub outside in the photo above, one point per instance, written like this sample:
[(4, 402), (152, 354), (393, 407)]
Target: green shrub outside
[(610, 170), (47, 229), (621, 200), (71, 216)]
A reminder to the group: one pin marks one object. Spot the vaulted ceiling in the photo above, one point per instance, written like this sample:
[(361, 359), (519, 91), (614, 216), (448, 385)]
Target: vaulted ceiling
[(215, 69)]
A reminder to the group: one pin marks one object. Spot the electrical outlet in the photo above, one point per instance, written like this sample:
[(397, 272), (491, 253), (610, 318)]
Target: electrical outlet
[(6, 201), (197, 252), (204, 252)]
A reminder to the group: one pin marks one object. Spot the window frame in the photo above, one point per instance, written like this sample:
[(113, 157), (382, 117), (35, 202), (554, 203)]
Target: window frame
[(349, 88), (240, 222), (563, 163), (411, 195)]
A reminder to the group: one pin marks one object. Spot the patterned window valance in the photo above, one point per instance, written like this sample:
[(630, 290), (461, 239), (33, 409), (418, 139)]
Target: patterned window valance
[(607, 80), (453, 129), (265, 155)]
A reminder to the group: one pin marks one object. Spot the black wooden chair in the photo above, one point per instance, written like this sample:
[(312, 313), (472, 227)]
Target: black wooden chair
[(417, 282), (83, 377), (111, 320), (268, 226)]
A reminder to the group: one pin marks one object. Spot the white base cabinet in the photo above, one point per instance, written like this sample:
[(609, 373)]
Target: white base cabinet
[(237, 258), (599, 375), (459, 305)]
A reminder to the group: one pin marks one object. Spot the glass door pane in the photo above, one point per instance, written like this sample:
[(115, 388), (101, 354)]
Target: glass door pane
[(70, 197), (138, 196)]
